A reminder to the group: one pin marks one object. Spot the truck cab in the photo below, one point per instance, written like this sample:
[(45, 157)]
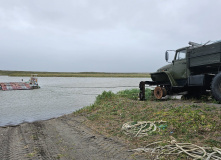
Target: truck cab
[(179, 67), (176, 72)]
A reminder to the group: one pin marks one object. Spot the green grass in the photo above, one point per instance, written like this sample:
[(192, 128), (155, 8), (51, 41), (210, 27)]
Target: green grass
[(72, 74), (187, 122), (133, 93)]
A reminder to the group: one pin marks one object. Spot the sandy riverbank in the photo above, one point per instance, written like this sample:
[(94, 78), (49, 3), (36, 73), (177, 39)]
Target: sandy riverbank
[(66, 137)]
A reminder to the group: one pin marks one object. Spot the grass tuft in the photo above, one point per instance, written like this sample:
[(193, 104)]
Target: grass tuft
[(133, 93)]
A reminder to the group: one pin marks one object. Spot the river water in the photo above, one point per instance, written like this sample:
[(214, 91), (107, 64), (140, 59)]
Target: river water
[(57, 96)]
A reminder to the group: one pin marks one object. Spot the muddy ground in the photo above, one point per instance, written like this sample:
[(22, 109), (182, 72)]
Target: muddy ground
[(62, 138)]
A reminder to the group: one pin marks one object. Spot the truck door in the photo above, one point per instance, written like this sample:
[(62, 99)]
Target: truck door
[(179, 71)]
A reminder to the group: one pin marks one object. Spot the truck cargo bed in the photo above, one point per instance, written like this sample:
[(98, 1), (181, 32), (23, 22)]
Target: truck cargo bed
[(205, 56)]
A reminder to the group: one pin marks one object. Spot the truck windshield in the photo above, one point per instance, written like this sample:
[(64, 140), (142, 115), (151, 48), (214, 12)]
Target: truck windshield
[(181, 55)]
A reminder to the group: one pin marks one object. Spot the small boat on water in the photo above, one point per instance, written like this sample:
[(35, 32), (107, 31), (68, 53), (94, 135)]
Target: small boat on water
[(31, 84)]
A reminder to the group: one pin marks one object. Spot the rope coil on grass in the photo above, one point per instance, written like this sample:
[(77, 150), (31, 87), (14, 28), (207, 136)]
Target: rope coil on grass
[(174, 148), (140, 128)]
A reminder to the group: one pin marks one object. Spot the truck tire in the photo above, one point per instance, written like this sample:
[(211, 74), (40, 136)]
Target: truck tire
[(216, 87)]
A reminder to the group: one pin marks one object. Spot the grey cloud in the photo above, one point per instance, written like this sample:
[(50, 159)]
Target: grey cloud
[(110, 35)]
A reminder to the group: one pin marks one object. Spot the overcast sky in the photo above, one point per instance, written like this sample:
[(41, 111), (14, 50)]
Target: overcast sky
[(101, 35)]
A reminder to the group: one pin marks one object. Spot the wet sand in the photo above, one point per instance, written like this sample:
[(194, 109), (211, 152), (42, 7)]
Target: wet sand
[(66, 137)]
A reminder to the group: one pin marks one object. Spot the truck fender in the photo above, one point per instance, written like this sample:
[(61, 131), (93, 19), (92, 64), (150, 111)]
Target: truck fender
[(164, 75)]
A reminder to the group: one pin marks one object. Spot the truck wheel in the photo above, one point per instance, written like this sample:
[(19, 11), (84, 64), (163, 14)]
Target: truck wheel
[(216, 87), (159, 92)]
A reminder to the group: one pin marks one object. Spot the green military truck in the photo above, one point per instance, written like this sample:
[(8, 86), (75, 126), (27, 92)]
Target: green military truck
[(195, 70)]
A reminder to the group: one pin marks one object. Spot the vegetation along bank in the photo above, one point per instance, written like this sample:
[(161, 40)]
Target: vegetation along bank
[(197, 122), (72, 74)]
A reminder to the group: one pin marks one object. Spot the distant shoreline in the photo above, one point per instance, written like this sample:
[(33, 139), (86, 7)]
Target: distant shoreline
[(73, 74)]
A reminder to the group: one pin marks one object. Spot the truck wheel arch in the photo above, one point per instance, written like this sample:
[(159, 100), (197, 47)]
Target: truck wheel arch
[(216, 87)]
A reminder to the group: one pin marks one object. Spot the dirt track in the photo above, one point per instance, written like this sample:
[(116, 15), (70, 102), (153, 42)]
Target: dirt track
[(61, 138)]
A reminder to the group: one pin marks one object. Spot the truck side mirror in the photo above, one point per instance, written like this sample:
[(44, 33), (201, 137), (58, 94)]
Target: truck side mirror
[(166, 56)]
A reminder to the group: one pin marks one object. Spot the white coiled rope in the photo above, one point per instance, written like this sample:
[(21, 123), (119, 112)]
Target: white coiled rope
[(140, 128), (174, 148)]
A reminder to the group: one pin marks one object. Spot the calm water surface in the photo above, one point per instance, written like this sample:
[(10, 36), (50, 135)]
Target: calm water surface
[(57, 96)]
